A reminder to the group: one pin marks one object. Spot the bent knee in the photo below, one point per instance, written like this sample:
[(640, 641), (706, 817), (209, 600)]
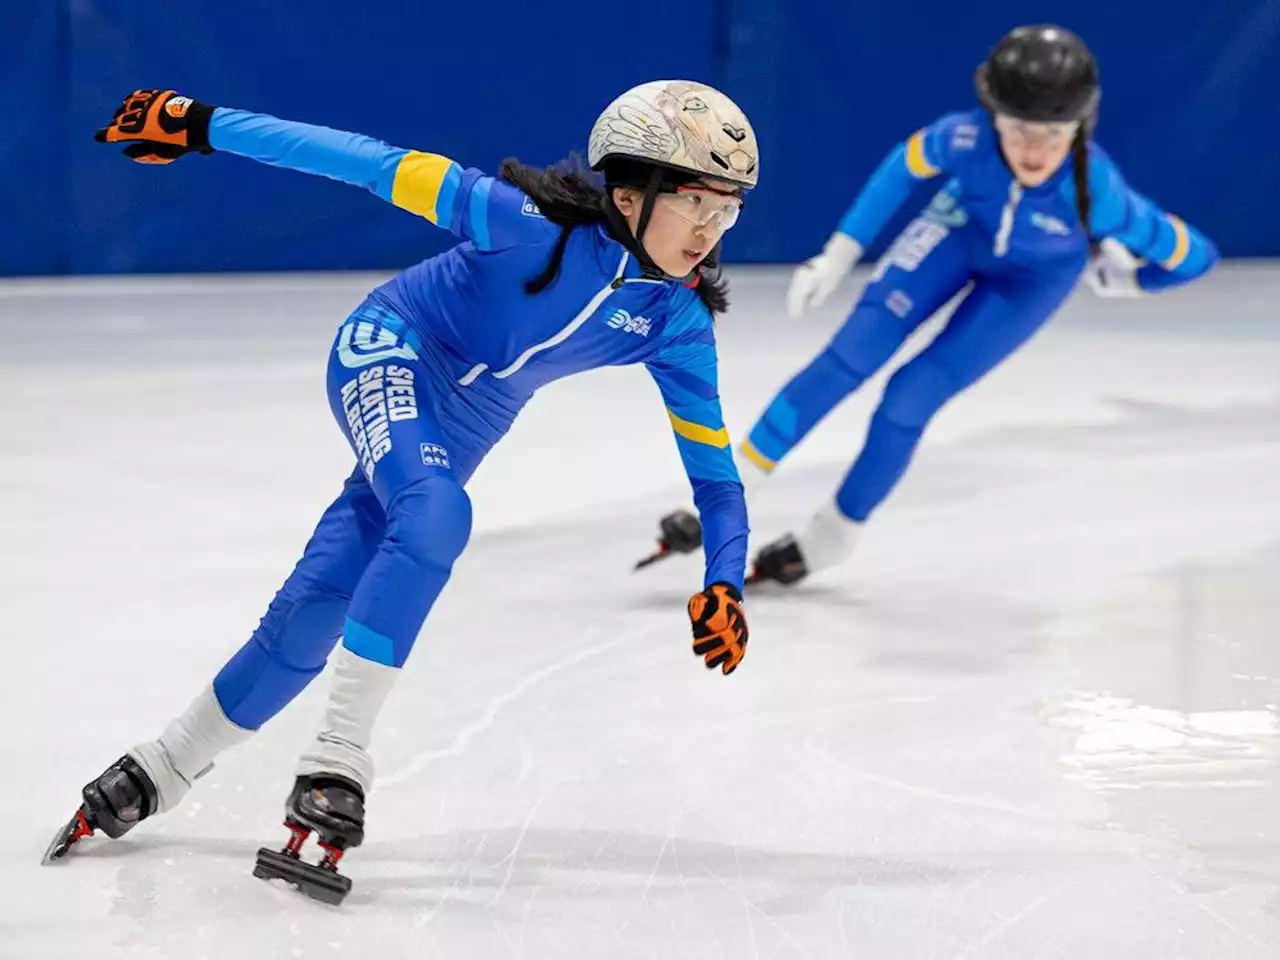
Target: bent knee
[(918, 391), (430, 521)]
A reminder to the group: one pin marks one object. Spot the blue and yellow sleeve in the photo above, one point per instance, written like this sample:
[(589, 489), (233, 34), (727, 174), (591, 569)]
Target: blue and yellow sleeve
[(490, 213), (685, 370), (926, 154), (1176, 252)]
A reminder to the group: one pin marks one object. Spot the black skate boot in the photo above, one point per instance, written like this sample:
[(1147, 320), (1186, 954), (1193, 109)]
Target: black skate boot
[(333, 807), (117, 801), (679, 532), (779, 562)]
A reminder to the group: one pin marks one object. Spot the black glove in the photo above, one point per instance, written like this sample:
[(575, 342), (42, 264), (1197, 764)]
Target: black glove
[(719, 627), (159, 126)]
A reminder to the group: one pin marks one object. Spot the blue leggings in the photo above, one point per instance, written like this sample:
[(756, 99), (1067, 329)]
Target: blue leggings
[(384, 549), (926, 267)]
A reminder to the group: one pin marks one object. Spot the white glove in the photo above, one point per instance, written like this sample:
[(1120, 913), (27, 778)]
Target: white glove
[(1113, 272), (816, 278)]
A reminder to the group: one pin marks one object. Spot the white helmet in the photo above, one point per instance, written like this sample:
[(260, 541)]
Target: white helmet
[(679, 124)]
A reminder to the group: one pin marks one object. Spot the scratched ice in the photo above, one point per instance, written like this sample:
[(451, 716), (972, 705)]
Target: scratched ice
[(1035, 716)]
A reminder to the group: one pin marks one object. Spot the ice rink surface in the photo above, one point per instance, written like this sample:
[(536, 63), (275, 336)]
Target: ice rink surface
[(1035, 717)]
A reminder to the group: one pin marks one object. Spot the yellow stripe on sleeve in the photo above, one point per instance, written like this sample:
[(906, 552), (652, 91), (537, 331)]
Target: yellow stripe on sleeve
[(417, 184), (917, 165), (755, 456), (698, 433), (1181, 243)]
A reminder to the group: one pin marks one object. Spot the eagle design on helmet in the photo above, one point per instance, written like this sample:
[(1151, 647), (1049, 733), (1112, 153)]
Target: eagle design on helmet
[(680, 124)]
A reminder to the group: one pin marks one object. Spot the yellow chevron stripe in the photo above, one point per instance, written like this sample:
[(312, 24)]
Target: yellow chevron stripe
[(698, 433)]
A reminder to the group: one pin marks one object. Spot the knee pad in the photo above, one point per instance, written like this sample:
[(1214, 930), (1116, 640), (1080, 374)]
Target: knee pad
[(429, 522), (916, 392)]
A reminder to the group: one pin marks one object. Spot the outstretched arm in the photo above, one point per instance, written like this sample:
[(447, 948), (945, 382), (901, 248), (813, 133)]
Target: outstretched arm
[(927, 153), (1176, 252), (161, 126)]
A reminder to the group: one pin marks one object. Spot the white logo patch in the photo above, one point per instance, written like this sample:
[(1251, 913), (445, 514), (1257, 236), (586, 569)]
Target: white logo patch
[(944, 209), (1050, 224), (434, 455), (964, 137), (899, 303), (624, 321), (377, 398), (362, 343), (913, 245), (530, 209)]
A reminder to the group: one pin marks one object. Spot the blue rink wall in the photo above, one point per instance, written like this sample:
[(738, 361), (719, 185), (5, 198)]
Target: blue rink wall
[(1190, 110)]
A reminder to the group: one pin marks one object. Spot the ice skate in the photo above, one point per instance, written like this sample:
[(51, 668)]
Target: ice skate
[(333, 808), (779, 562), (151, 777), (679, 532), (115, 802), (827, 540)]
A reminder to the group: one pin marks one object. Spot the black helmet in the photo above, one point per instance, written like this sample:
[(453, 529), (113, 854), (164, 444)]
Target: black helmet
[(1042, 74)]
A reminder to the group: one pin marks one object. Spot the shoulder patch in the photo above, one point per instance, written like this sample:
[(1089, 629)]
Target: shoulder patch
[(964, 136)]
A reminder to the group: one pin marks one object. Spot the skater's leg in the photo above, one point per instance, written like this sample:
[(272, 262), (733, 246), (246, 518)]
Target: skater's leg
[(407, 457), (304, 621), (991, 324), (429, 523), (387, 401), (284, 654), (924, 268)]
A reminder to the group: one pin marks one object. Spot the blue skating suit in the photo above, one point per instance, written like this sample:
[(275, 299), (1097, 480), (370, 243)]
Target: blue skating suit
[(427, 375), (1023, 250)]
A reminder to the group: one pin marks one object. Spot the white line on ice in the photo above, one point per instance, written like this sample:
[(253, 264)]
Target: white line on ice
[(463, 740)]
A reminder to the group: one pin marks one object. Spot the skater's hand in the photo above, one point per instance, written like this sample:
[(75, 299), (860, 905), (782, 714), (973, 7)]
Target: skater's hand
[(816, 278), (1114, 271), (159, 126), (719, 627)]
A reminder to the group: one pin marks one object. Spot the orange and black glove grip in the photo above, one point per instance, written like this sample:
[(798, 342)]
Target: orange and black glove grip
[(159, 126), (719, 626)]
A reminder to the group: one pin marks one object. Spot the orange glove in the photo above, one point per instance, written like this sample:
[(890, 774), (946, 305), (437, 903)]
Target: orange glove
[(161, 126), (719, 626)]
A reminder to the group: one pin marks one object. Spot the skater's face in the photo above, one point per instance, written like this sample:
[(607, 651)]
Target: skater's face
[(1034, 151), (685, 225)]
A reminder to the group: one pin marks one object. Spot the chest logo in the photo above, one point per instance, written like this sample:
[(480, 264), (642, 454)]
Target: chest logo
[(624, 321), (1050, 224)]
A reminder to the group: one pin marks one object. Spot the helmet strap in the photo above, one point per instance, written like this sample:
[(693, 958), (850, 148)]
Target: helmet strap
[(650, 199), (621, 230)]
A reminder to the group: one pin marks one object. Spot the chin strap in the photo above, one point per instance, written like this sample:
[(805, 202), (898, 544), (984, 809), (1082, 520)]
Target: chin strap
[(620, 230)]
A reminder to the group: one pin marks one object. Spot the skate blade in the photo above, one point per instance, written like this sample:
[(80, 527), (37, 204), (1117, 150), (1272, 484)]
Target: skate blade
[(76, 829), (327, 886), (651, 559)]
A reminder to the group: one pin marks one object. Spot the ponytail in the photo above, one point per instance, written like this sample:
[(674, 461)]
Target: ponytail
[(567, 195), (1080, 171)]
